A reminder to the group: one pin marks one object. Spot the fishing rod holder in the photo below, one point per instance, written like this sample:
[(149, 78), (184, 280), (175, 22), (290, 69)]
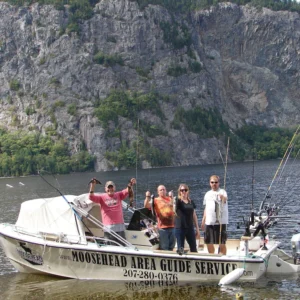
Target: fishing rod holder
[(246, 224)]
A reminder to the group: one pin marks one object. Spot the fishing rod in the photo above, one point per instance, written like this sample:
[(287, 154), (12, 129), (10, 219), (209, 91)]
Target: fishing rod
[(280, 177), (272, 211), (291, 191), (279, 167), (137, 158), (63, 196), (225, 172), (221, 205), (252, 200), (77, 209)]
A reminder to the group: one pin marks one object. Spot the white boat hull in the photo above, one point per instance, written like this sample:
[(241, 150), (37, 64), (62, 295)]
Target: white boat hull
[(47, 238), (91, 261)]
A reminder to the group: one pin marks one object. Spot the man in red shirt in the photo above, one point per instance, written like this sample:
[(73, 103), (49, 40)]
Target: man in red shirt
[(111, 207)]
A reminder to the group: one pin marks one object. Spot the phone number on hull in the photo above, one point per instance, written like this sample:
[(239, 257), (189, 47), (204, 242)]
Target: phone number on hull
[(147, 275)]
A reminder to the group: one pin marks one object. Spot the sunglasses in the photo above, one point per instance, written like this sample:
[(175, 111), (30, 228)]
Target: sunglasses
[(184, 190), (110, 186), (214, 182)]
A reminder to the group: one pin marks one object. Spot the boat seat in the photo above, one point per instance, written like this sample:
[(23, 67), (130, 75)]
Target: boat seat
[(51, 236), (246, 238)]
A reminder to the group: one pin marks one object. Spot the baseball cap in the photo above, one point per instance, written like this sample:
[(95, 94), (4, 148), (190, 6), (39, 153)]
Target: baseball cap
[(108, 183)]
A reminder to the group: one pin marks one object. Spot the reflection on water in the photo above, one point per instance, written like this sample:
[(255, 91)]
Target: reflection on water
[(241, 196), (24, 286)]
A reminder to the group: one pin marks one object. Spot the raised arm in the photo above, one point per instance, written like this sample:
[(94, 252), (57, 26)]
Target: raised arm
[(147, 200)]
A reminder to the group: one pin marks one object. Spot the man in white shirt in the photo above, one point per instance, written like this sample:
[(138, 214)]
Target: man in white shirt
[(215, 216)]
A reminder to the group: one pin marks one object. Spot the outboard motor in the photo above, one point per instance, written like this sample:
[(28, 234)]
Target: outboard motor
[(296, 248)]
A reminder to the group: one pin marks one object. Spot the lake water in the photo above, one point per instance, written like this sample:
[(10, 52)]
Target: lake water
[(242, 196)]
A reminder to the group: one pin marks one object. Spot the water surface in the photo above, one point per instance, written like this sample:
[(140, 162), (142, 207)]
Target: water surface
[(243, 195)]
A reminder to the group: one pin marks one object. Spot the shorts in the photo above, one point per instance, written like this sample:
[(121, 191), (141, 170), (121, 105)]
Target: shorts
[(212, 233)]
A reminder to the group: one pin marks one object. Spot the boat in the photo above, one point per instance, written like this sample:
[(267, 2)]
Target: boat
[(63, 236)]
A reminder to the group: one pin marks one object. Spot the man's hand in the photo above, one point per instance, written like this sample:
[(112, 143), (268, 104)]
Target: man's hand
[(132, 181), (94, 180), (223, 198)]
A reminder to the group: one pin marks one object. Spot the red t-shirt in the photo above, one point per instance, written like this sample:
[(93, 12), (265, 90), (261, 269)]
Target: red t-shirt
[(111, 206), (163, 207)]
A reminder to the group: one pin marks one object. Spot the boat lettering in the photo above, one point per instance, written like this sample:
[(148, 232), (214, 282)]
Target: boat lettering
[(144, 263), (31, 258), (170, 265), (248, 273), (164, 265), (214, 268), (100, 259), (144, 284), (148, 275)]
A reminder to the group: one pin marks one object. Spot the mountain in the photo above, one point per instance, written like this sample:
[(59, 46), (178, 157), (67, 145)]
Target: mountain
[(168, 86)]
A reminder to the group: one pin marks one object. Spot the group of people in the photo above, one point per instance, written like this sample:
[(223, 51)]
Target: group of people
[(176, 216)]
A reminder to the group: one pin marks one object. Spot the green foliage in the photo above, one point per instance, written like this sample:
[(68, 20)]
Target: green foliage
[(156, 157), (14, 85), (276, 4), (126, 157), (72, 27), (127, 105), (206, 123), (142, 72), (30, 110), (190, 5), (59, 103), (269, 143), (195, 66), (72, 109), (176, 71), (81, 10), (42, 60), (111, 39), (178, 36), (54, 81), (108, 60), (25, 154), (174, 5), (152, 130)]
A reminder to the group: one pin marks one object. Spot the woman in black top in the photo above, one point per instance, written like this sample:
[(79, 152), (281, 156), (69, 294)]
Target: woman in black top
[(185, 219)]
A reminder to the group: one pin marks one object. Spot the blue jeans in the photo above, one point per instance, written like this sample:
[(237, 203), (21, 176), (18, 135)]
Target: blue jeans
[(189, 235), (166, 239)]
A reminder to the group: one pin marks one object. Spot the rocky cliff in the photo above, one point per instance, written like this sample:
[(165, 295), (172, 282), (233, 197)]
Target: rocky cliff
[(247, 67)]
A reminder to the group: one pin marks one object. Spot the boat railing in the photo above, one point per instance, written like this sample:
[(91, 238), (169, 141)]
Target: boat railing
[(121, 241), (101, 241), (58, 237)]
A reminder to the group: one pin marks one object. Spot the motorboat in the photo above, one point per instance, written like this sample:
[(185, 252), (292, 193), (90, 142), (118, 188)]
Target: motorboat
[(64, 236)]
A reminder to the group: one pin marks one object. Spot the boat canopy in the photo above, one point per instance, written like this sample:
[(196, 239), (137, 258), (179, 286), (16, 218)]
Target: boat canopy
[(56, 216)]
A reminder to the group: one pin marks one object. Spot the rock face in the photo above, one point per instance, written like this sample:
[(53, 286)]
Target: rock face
[(249, 72)]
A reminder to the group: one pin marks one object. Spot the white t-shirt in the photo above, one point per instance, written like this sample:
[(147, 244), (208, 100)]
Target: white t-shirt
[(212, 198)]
